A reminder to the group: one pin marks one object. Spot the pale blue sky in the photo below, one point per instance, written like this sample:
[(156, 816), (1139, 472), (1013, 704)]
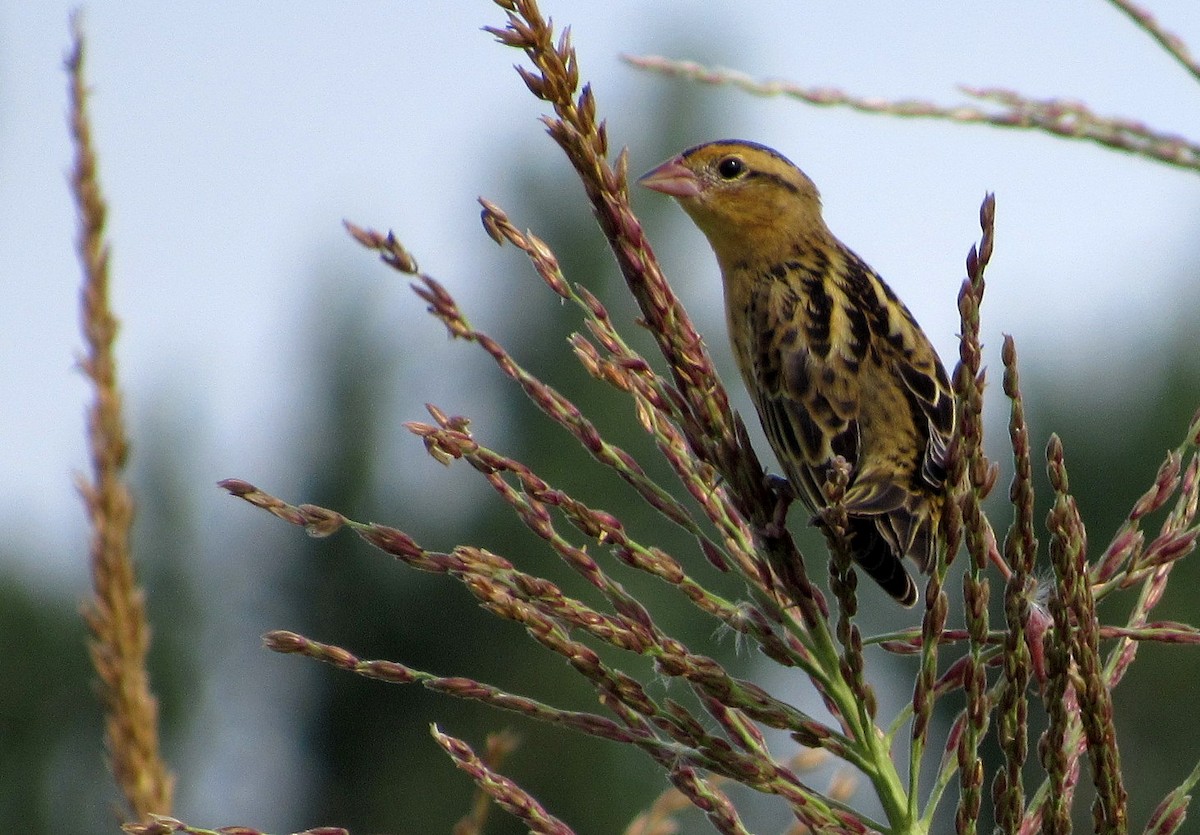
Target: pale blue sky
[(234, 140)]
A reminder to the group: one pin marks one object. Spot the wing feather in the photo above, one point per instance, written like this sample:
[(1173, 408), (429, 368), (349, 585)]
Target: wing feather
[(807, 403), (838, 366)]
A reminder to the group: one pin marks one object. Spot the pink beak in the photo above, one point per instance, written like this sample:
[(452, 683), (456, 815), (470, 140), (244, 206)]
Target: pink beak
[(673, 178)]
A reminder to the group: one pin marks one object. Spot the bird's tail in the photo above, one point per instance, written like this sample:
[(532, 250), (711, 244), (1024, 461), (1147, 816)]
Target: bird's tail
[(875, 556)]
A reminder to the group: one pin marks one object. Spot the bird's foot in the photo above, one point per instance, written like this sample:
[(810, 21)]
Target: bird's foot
[(785, 494)]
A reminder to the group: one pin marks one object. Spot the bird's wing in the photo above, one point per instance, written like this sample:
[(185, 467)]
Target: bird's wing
[(918, 366), (912, 359), (807, 397)]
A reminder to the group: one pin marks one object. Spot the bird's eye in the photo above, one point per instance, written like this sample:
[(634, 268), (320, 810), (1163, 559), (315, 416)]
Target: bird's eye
[(731, 168)]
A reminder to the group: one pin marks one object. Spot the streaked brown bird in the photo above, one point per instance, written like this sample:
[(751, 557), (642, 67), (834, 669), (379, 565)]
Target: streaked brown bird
[(834, 362)]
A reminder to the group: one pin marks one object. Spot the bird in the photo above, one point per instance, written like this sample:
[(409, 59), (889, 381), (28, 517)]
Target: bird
[(834, 363)]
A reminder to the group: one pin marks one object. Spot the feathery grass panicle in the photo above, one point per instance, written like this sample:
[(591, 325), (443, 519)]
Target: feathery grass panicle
[(116, 614), (660, 407), (549, 616), (1068, 548), (1171, 812), (713, 431), (451, 441), (979, 477), (971, 476), (1076, 627), (165, 825), (1056, 746), (507, 794), (1169, 41), (1057, 117), (719, 738), (499, 746), (709, 799), (843, 582), (1021, 645)]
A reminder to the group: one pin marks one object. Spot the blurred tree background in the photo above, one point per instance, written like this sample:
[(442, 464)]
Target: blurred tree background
[(362, 753)]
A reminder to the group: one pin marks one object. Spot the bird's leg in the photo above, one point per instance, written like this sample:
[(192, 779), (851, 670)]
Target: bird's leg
[(785, 494)]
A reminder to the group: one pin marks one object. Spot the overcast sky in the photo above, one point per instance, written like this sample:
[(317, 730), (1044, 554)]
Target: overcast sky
[(234, 140)]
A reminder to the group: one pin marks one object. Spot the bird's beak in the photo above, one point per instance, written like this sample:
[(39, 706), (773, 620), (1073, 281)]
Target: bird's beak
[(673, 178)]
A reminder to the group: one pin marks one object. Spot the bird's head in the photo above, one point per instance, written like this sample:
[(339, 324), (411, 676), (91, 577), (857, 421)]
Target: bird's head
[(746, 198)]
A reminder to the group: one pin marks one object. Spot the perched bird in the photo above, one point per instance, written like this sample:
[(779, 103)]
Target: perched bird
[(834, 362)]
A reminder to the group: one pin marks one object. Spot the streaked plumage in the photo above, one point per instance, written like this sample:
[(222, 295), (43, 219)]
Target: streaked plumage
[(835, 363)]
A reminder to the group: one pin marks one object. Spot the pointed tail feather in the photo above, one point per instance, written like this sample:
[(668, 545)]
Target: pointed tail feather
[(874, 555)]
